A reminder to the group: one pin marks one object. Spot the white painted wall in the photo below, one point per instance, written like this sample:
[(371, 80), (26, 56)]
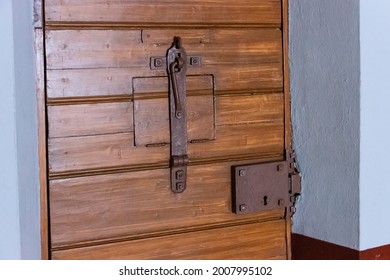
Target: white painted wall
[(324, 62), (19, 187), (9, 195), (375, 123)]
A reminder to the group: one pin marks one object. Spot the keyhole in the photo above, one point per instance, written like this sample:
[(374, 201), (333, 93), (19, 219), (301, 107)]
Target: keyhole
[(265, 200)]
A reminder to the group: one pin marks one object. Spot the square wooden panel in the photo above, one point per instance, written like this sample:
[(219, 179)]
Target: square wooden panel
[(151, 110)]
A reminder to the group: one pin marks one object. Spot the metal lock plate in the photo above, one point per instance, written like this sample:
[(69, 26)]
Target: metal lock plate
[(260, 187)]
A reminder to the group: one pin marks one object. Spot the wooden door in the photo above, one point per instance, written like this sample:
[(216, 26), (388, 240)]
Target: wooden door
[(108, 134)]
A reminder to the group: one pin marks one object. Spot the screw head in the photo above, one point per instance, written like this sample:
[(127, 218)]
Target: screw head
[(179, 115), (280, 167), (158, 62), (180, 186), (243, 208), (242, 172), (179, 174), (194, 61)]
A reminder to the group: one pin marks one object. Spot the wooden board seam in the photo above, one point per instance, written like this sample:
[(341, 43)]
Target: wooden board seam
[(165, 233), (158, 165), (91, 25)]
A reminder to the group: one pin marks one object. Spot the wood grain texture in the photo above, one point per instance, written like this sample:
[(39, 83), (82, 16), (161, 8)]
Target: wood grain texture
[(267, 108), (90, 119), (107, 114), (103, 62), (287, 107), (134, 204), (190, 12), (255, 241), (77, 49), (288, 238), (99, 151), (286, 78), (151, 109), (151, 117), (42, 142), (195, 85), (89, 82), (67, 155)]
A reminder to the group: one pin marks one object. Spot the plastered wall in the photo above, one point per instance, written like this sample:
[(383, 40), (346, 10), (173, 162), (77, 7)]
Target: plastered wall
[(19, 187), (9, 195), (325, 71)]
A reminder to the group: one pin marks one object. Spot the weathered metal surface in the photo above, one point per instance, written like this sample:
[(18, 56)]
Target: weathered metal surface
[(177, 69)]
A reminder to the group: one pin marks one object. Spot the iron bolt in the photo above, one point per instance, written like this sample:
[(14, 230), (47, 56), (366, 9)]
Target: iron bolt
[(179, 115), (194, 61), (281, 202), (158, 62), (242, 172), (180, 186), (243, 208), (280, 167), (179, 174)]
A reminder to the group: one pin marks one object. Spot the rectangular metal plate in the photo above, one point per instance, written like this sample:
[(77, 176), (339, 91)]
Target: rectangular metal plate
[(260, 187)]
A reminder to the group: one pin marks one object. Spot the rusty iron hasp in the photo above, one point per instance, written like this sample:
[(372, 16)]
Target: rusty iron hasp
[(177, 70)]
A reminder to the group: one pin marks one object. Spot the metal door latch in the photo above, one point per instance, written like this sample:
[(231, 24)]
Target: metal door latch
[(177, 69), (266, 186), (160, 62)]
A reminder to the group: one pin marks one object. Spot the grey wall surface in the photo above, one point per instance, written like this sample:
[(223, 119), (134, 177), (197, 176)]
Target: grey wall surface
[(375, 123), (19, 185), (325, 73)]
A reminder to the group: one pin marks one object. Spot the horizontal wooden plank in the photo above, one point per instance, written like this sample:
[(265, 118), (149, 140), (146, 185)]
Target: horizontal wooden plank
[(68, 155), (139, 204), (90, 119), (86, 62), (98, 82), (89, 82), (240, 141), (111, 150), (125, 48), (150, 85), (255, 12), (257, 241), (250, 109)]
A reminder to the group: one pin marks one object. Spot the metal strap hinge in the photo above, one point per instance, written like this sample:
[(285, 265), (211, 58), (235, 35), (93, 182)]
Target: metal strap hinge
[(294, 182)]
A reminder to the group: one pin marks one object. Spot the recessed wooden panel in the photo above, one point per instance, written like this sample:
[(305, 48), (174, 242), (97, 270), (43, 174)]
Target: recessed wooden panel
[(245, 242), (90, 119), (195, 85), (228, 12), (151, 120), (140, 203), (151, 109)]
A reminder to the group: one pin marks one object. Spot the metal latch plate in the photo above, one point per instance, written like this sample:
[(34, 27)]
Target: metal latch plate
[(260, 187)]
